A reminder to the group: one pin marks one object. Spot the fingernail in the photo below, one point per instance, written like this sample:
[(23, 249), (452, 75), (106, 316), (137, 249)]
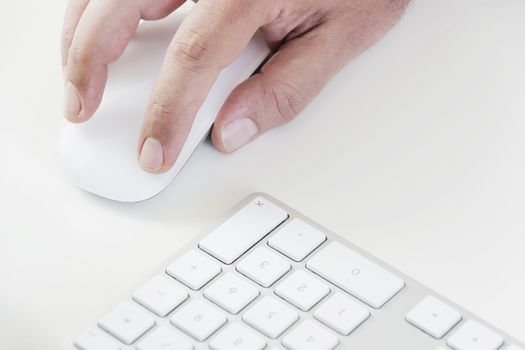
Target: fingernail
[(152, 156), (237, 133), (72, 104)]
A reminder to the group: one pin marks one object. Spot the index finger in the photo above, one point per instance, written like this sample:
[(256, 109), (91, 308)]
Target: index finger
[(95, 36), (213, 34)]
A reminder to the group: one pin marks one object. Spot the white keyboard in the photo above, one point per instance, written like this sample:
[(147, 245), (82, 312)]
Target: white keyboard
[(269, 278)]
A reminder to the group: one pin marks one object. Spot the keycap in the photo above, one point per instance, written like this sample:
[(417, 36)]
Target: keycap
[(237, 337), (433, 317), (474, 336), (270, 317), (302, 290), (241, 231), (160, 295), (297, 239), (263, 266), (310, 336), (297, 288), (198, 319), (355, 274), (127, 322), (194, 269), (342, 313), (95, 339), (231, 292), (164, 338)]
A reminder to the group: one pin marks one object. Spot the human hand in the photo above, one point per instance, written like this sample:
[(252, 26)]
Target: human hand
[(312, 40)]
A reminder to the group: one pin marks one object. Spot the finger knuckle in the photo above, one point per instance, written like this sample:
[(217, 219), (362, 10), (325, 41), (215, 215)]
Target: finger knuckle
[(80, 55), (191, 47), (286, 99), (160, 116)]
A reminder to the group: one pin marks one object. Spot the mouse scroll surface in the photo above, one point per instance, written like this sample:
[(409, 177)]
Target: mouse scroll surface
[(100, 155)]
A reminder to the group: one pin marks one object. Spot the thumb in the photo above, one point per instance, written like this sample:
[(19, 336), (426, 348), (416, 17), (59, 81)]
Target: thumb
[(283, 88)]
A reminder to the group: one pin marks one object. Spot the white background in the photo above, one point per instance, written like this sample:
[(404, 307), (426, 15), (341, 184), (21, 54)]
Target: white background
[(415, 152)]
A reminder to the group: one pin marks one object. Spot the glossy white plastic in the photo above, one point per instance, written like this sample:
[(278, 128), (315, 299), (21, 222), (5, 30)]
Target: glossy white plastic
[(100, 155)]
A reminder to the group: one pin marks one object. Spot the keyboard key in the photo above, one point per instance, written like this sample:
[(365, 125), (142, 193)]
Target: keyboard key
[(127, 322), (160, 295), (270, 317), (263, 266), (355, 274), (194, 269), (342, 313), (95, 339), (297, 239), (310, 336), (433, 317), (231, 292), (237, 337), (164, 338), (302, 290), (474, 336), (198, 319), (241, 231)]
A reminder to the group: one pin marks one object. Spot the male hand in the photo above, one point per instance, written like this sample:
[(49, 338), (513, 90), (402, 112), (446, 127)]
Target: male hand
[(312, 40)]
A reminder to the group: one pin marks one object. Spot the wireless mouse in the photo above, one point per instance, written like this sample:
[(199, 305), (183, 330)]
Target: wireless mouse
[(100, 154)]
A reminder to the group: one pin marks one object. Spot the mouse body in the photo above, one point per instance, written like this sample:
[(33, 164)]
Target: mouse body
[(100, 154)]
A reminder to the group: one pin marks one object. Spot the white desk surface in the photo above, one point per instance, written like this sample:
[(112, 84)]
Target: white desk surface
[(415, 152)]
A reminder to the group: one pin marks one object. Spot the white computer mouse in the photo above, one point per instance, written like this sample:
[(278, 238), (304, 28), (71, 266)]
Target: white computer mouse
[(100, 154)]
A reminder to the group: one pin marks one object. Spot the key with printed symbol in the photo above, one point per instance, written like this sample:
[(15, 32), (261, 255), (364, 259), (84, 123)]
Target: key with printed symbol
[(302, 290), (95, 339), (198, 319), (310, 336), (474, 336), (298, 287), (297, 239), (355, 274), (231, 292), (127, 322), (194, 269), (433, 317), (270, 317), (263, 266), (164, 338), (342, 314), (245, 228), (160, 295), (237, 337)]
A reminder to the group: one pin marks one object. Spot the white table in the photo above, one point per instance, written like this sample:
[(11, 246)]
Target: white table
[(415, 152)]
